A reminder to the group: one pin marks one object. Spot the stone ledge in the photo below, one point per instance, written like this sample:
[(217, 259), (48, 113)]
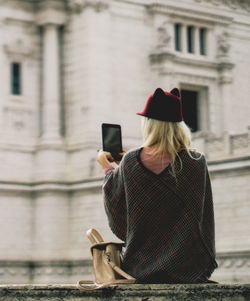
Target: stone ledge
[(137, 292)]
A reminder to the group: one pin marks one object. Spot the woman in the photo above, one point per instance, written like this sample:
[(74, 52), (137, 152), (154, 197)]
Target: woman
[(159, 200)]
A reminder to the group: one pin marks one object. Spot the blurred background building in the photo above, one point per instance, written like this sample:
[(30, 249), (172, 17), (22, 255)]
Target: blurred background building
[(66, 67)]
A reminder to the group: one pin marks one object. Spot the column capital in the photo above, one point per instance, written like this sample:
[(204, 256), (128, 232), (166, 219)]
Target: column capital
[(51, 12), (225, 72)]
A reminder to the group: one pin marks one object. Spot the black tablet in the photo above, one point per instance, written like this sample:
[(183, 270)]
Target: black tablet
[(112, 139)]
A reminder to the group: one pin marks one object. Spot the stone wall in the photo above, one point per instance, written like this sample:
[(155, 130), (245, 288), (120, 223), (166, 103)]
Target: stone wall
[(234, 267), (137, 292), (110, 57)]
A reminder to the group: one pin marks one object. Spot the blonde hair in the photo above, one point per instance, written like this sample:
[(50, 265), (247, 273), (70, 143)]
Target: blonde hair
[(167, 137)]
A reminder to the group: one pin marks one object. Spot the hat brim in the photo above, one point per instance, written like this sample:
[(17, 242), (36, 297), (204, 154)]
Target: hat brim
[(157, 118)]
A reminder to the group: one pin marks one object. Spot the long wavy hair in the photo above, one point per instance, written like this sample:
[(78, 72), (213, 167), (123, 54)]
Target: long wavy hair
[(167, 137)]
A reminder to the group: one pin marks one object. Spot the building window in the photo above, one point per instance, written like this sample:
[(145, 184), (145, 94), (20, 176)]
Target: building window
[(190, 39), (203, 41), (177, 30), (190, 109), (16, 78)]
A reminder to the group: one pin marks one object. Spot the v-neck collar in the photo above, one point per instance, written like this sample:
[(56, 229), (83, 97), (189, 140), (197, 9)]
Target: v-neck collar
[(138, 151)]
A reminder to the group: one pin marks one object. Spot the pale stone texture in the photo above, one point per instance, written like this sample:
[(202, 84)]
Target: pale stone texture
[(87, 62), (206, 292)]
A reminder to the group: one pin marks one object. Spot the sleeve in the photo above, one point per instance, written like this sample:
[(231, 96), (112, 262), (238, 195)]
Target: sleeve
[(208, 222), (107, 169), (115, 202)]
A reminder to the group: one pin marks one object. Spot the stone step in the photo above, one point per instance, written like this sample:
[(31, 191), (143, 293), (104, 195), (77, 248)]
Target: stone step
[(136, 292)]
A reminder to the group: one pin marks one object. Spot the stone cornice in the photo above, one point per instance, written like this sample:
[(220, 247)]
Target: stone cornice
[(50, 12), (233, 260), (223, 165), (31, 268), (232, 4), (243, 5), (43, 262), (77, 6), (95, 183), (197, 14), (187, 59), (229, 164), (233, 254)]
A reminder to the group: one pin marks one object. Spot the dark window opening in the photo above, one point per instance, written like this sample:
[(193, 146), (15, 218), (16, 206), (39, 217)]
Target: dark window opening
[(177, 30), (202, 41), (16, 78), (190, 39), (190, 108)]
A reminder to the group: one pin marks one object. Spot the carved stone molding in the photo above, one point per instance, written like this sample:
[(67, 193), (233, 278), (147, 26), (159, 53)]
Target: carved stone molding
[(240, 143), (233, 261), (225, 144), (233, 4), (17, 119), (77, 6), (19, 48), (223, 47), (50, 12), (58, 269), (161, 55), (162, 50), (225, 65), (225, 71)]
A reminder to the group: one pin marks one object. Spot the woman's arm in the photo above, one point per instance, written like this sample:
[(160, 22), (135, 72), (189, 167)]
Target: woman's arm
[(115, 203), (114, 196), (208, 221)]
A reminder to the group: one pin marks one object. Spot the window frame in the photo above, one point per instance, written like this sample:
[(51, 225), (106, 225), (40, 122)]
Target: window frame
[(177, 37), (12, 79), (202, 41), (190, 39), (190, 36), (202, 105)]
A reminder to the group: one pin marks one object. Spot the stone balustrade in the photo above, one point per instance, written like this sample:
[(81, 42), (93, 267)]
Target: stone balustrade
[(222, 146)]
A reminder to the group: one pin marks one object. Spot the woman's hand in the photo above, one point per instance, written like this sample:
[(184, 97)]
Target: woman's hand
[(105, 158)]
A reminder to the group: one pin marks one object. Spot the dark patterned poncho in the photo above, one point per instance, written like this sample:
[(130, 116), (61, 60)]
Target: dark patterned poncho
[(167, 224)]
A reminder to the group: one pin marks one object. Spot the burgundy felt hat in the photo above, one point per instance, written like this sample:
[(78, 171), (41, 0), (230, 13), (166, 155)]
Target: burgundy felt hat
[(165, 106)]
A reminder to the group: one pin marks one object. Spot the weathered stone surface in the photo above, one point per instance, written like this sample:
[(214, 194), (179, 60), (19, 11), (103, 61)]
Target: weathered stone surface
[(111, 54), (136, 292)]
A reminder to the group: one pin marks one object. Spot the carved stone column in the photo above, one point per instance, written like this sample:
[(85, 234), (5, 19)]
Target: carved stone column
[(50, 16), (50, 205), (51, 93), (196, 41), (50, 156), (184, 38)]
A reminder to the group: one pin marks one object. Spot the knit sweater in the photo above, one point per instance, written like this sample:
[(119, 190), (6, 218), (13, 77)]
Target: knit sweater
[(167, 223)]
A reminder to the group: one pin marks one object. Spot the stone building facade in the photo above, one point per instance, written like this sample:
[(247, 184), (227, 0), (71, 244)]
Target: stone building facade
[(66, 67)]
